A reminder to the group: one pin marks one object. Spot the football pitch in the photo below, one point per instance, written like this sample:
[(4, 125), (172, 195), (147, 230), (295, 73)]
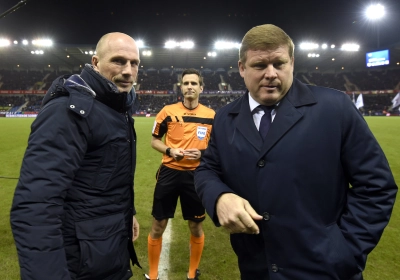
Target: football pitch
[(218, 261)]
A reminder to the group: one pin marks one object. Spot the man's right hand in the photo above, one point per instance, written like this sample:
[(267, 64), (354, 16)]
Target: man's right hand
[(236, 214), (177, 154)]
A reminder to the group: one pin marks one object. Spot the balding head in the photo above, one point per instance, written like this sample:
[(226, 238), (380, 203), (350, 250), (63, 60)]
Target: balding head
[(104, 43), (117, 59)]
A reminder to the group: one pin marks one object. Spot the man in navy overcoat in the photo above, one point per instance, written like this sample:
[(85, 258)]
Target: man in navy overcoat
[(311, 200)]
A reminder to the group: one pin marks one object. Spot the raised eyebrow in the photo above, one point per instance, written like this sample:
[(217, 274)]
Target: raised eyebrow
[(135, 61), (283, 60), (259, 63), (121, 58), (117, 58)]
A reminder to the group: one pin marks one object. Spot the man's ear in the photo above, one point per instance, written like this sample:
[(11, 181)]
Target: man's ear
[(95, 62), (241, 68)]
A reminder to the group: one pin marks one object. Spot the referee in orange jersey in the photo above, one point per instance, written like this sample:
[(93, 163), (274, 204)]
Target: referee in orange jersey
[(186, 128)]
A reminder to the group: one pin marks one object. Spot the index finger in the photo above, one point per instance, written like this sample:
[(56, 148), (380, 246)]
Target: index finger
[(191, 150), (249, 224)]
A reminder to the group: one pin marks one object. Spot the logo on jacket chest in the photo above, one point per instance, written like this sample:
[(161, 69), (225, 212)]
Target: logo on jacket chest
[(201, 132)]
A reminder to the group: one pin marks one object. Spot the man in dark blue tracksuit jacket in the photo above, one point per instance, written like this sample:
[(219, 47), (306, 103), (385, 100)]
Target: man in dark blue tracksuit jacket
[(73, 213)]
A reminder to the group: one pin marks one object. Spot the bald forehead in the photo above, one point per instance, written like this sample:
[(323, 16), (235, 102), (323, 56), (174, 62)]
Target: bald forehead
[(111, 40)]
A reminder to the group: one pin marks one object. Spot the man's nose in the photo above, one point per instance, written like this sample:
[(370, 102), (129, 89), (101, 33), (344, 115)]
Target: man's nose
[(127, 69), (270, 72)]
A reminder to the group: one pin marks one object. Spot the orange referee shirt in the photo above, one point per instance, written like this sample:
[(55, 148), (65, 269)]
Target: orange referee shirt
[(183, 128)]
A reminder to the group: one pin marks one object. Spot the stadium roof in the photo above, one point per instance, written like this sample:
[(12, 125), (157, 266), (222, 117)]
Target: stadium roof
[(73, 56), (75, 26), (84, 22)]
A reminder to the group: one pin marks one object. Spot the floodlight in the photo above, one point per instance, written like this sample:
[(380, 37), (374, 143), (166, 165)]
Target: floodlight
[(146, 53), (313, 55), (140, 43), (350, 47), (4, 43), (221, 45), (15, 42), (42, 42), (186, 44), (25, 42), (308, 46), (37, 52), (170, 44), (324, 46), (333, 46), (375, 11)]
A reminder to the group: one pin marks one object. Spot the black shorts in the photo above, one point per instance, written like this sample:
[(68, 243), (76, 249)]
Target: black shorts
[(171, 184)]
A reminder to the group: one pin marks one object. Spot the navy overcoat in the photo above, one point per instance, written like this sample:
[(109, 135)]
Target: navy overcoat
[(320, 180)]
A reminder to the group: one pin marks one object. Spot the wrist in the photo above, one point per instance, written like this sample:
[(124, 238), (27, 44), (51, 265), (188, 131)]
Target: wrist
[(168, 151)]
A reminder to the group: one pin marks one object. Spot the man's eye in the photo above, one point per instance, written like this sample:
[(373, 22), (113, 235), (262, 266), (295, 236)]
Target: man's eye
[(119, 61)]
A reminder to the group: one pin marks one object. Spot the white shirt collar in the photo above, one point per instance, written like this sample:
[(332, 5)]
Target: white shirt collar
[(253, 104)]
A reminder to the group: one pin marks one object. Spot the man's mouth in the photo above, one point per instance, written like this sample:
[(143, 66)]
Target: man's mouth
[(126, 83), (270, 86)]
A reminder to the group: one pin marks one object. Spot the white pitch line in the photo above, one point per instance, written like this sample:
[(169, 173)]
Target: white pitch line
[(163, 266)]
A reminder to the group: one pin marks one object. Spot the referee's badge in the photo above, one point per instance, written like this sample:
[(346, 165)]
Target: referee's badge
[(201, 132)]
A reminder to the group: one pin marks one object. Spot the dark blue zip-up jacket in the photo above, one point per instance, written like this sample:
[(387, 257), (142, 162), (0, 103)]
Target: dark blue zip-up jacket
[(72, 211)]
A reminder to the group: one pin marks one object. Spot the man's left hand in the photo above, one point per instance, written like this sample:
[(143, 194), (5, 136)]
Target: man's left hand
[(135, 229), (193, 154)]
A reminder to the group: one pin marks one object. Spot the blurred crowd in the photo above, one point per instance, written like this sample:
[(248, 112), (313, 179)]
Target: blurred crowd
[(222, 87)]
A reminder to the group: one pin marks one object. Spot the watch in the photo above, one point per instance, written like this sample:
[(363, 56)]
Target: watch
[(168, 152)]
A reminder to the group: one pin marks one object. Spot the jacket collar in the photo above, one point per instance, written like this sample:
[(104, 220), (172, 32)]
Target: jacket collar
[(106, 91), (287, 115), (298, 95)]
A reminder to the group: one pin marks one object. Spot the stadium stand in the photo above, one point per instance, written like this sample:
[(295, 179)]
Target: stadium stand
[(159, 87)]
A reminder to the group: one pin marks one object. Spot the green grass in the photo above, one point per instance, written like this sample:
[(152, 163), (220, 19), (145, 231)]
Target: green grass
[(218, 261)]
